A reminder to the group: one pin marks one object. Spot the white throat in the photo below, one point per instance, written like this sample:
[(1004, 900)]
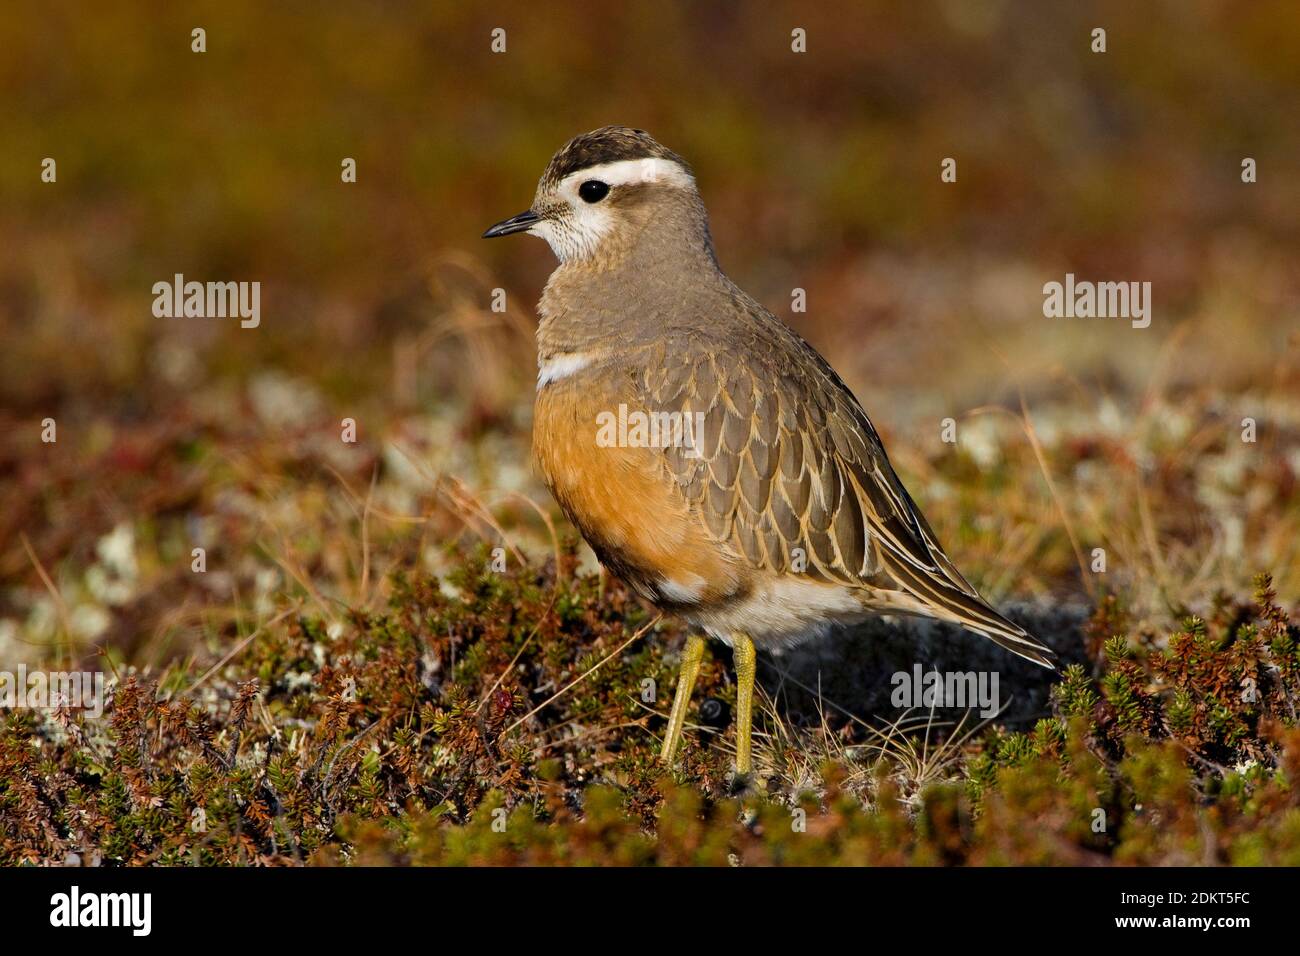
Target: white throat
[(560, 366)]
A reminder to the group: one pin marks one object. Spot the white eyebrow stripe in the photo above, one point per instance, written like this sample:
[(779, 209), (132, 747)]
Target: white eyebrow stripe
[(650, 169), (560, 366)]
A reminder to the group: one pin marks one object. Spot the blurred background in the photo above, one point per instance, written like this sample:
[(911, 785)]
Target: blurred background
[(821, 171)]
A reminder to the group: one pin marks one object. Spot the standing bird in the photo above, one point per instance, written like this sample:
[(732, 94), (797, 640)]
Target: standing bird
[(743, 486)]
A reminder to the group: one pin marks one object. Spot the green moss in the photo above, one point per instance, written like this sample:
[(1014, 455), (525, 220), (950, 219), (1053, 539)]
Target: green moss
[(408, 738)]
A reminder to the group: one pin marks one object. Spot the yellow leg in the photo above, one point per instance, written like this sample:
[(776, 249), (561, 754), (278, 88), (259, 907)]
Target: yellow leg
[(745, 668), (692, 654)]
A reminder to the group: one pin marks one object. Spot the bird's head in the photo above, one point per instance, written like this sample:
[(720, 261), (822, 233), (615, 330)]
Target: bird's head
[(607, 190)]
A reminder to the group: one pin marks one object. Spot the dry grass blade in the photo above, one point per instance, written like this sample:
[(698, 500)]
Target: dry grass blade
[(234, 651), (591, 670), (65, 619), (518, 654)]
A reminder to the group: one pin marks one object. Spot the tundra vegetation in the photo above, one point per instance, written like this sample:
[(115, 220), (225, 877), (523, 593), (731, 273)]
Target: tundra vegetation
[(340, 622)]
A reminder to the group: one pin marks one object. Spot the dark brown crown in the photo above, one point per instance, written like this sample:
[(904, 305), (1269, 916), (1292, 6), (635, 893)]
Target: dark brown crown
[(609, 144)]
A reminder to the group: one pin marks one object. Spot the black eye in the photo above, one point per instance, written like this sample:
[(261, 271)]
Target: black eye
[(593, 190)]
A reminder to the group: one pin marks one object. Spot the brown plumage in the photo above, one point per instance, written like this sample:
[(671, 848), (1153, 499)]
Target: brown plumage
[(788, 472), (779, 513)]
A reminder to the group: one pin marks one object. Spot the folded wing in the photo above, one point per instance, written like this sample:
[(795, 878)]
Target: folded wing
[(784, 466)]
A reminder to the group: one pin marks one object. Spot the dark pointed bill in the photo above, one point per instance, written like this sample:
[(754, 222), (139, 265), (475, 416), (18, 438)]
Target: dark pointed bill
[(514, 224)]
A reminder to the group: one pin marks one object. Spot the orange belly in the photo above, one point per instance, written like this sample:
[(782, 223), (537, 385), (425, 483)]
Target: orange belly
[(624, 501)]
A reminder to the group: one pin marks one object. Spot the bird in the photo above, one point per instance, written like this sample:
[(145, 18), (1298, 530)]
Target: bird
[(712, 458)]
